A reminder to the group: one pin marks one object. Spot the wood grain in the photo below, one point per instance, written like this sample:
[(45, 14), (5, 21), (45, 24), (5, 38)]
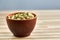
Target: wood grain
[(42, 31)]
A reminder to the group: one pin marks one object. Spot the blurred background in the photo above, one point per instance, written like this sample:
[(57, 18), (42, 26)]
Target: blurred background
[(29, 4)]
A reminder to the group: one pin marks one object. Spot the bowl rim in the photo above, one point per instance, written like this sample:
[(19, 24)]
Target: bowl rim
[(35, 16)]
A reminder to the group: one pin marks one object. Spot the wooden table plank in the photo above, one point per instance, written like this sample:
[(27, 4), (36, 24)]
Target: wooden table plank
[(43, 29)]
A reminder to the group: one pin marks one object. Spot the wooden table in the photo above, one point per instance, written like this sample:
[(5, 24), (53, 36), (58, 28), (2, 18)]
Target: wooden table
[(47, 26)]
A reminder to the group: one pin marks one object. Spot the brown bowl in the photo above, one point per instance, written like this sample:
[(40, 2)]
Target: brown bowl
[(21, 28)]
